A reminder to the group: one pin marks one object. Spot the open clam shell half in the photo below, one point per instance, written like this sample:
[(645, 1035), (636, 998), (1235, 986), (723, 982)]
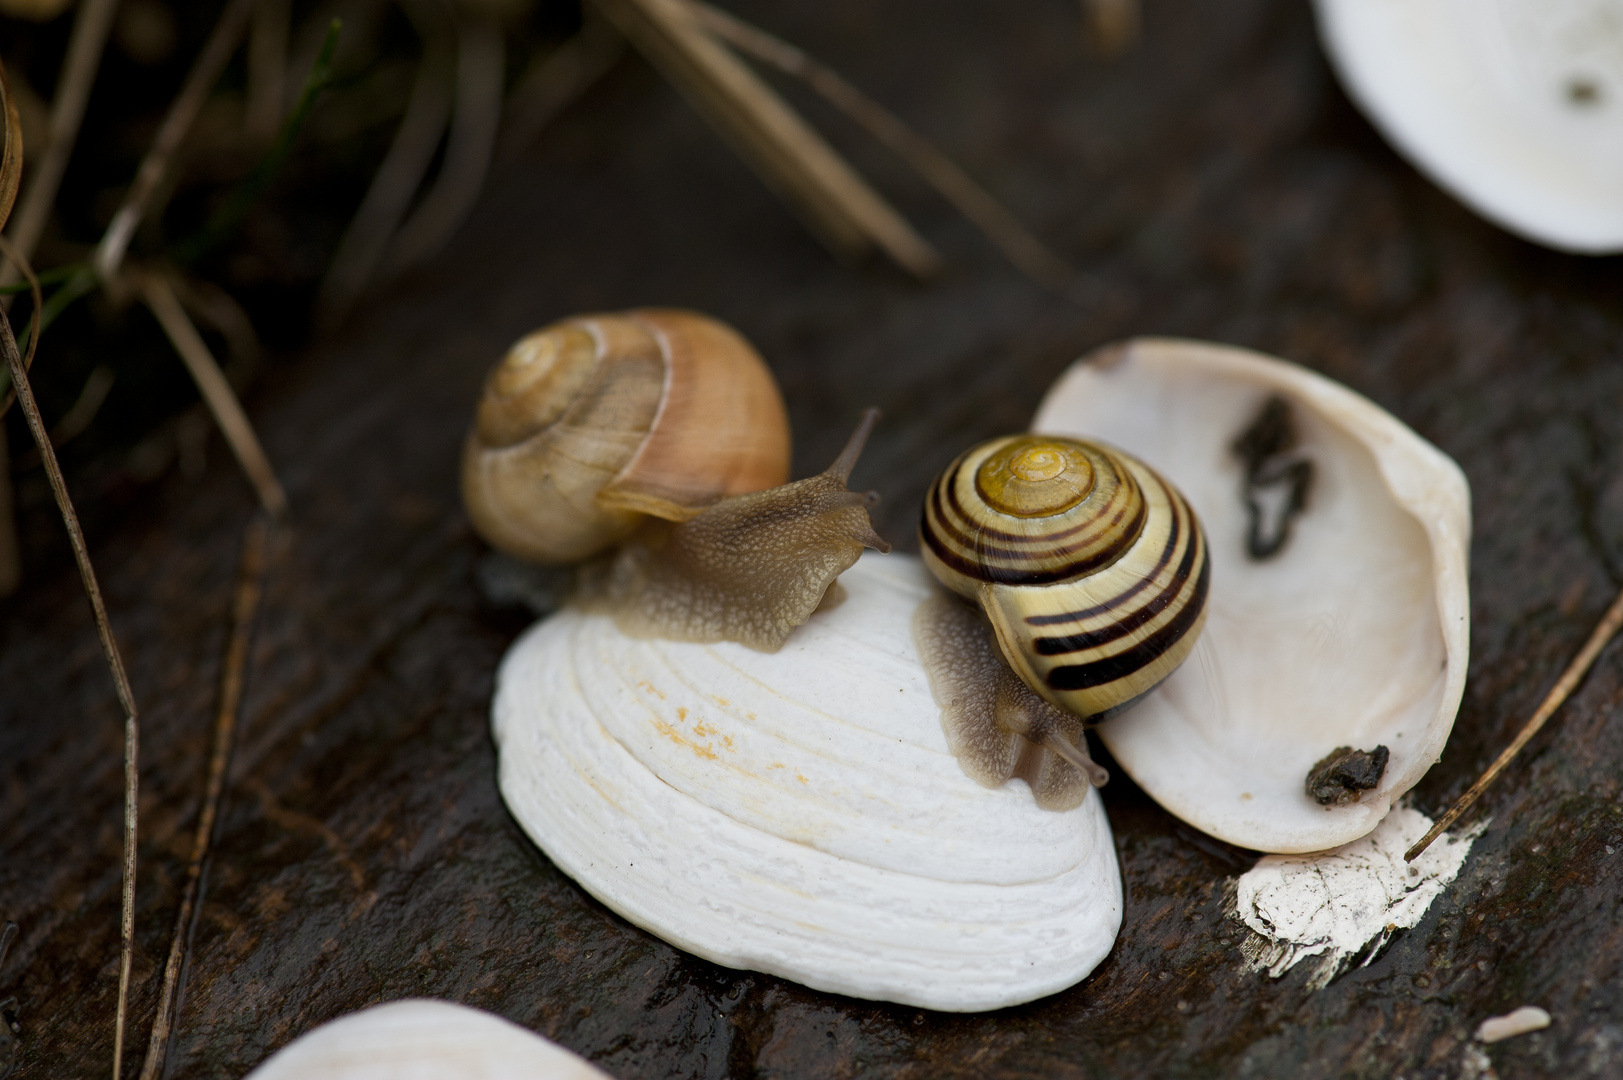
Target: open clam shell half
[(1516, 106), (799, 812), (1353, 634)]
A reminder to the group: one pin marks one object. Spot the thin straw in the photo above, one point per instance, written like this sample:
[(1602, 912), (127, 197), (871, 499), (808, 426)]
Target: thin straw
[(250, 584), (216, 391), (1563, 688), (115, 663), (206, 71)]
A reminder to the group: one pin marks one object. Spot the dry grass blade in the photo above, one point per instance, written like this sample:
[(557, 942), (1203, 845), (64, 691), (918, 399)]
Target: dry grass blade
[(217, 393), (126, 698), (11, 150), (11, 168), (206, 70), (1563, 688), (467, 150), (11, 567), (78, 417), (837, 204), (90, 29), (1028, 254), (84, 409), (250, 585), (553, 83), (366, 239), (219, 309)]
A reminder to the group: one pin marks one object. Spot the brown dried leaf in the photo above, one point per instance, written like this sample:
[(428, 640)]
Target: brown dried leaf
[(11, 155)]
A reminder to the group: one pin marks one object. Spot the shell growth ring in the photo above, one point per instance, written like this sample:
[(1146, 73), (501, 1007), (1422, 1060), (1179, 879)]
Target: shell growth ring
[(1091, 568)]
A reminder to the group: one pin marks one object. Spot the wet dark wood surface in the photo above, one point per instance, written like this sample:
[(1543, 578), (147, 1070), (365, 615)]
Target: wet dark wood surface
[(1214, 183)]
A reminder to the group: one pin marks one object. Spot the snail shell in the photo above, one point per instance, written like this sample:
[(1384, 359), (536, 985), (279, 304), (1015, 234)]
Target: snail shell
[(593, 423), (1091, 568), (1092, 573)]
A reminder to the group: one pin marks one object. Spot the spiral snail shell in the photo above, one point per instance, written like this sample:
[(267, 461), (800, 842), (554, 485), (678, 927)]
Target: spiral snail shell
[(659, 438), (593, 423), (1092, 571)]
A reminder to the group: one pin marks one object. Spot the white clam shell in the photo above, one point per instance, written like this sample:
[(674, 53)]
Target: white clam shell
[(1516, 106), (1355, 634), (419, 1039), (799, 813)]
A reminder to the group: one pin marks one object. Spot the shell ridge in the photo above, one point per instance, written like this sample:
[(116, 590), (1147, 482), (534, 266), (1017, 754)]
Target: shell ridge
[(1120, 622), (727, 892), (968, 545), (843, 807), (1178, 598), (1141, 655)]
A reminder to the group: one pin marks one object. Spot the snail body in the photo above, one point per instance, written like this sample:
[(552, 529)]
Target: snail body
[(1092, 573), (656, 442)]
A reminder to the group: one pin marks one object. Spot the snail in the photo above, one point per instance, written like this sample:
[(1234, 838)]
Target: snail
[(1092, 573), (655, 444), (814, 813)]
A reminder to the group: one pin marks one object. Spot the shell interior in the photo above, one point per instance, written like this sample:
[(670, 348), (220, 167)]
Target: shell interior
[(799, 812), (1353, 635), (1516, 106)]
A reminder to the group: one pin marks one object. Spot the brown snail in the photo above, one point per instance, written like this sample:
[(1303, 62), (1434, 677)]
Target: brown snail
[(655, 443), (1091, 577)]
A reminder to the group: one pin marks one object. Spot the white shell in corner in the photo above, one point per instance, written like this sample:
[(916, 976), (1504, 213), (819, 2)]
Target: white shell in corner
[(1355, 634), (419, 1039), (798, 812), (1516, 106)]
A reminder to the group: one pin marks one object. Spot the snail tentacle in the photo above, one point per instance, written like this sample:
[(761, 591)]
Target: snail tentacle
[(749, 568)]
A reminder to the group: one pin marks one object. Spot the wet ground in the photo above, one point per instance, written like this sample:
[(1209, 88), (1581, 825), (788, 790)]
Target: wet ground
[(1214, 183)]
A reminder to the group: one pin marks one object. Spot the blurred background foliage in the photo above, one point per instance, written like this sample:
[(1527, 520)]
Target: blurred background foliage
[(124, 407)]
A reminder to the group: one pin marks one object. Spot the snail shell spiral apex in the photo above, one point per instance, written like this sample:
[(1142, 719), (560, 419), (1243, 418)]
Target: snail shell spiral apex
[(1091, 568)]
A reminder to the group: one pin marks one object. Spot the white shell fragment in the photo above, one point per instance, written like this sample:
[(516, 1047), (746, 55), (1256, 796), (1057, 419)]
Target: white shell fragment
[(798, 812), (1516, 106), (423, 1040), (1528, 1018), (1355, 634), (1346, 902)]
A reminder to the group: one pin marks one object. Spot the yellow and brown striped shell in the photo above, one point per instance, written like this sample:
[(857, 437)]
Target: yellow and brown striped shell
[(1091, 568)]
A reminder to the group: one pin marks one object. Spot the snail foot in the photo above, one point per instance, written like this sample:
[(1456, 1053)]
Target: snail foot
[(749, 568), (996, 726)]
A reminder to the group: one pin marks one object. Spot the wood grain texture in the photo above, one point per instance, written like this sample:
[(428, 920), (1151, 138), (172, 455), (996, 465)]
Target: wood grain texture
[(1214, 182)]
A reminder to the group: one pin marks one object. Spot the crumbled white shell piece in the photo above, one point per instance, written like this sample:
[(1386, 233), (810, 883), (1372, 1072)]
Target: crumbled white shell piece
[(420, 1039), (1355, 634), (799, 813), (1516, 106), (1520, 1021), (1345, 902)]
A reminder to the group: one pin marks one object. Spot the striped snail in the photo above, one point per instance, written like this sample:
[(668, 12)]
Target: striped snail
[(1092, 572), (653, 446)]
